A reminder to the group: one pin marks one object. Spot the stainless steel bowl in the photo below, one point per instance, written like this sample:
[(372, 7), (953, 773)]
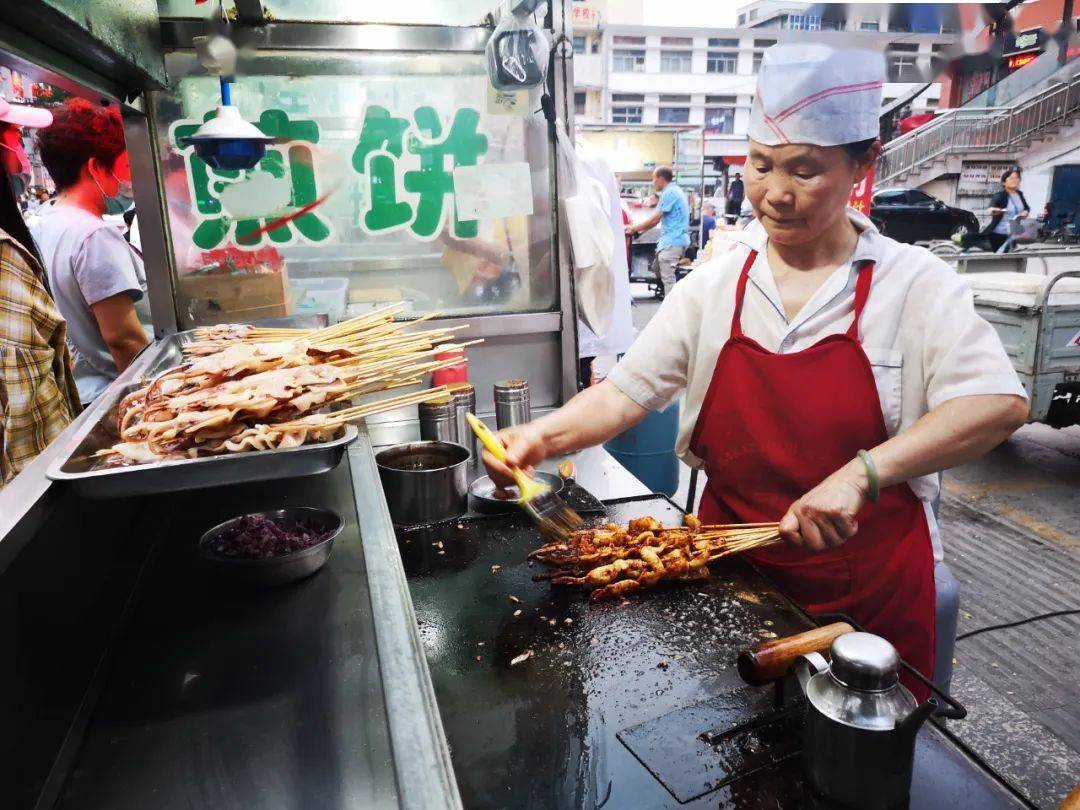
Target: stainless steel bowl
[(424, 482), (284, 568)]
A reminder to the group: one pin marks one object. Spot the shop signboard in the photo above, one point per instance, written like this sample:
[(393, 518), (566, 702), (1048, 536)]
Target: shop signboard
[(274, 202), (416, 155), (585, 15), (406, 164), (1024, 41), (973, 179)]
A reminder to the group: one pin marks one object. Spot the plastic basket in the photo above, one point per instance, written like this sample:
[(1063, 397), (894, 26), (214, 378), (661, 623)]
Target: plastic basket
[(1024, 230)]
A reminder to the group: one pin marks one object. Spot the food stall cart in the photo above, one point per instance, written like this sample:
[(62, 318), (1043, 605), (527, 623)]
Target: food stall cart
[(134, 679)]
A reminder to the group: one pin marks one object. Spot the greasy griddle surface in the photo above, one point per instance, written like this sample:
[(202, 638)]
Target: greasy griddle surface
[(543, 733)]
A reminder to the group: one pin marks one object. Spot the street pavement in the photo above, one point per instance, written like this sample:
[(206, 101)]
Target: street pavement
[(1010, 525)]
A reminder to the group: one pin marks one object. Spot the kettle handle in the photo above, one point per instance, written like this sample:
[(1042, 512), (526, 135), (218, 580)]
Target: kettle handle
[(809, 665), (770, 660)]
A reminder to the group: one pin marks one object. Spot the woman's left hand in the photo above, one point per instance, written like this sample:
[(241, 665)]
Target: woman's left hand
[(825, 516)]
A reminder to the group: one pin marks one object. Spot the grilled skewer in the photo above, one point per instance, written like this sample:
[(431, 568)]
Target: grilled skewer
[(612, 561)]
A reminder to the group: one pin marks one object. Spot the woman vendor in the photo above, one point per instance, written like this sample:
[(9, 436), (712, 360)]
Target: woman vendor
[(828, 372)]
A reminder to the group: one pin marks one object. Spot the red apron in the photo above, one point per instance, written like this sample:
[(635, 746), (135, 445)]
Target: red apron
[(774, 426)]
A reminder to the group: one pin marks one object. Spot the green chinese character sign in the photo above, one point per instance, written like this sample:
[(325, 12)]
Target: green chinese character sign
[(242, 206), (409, 170)]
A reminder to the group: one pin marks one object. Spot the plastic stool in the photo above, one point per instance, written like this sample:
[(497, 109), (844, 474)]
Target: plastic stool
[(948, 615)]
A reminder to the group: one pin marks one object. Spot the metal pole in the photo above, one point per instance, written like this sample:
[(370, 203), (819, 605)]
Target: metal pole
[(149, 190), (563, 84), (1065, 31), (701, 195)]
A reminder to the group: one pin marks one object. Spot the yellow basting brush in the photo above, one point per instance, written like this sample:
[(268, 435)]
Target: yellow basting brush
[(556, 520)]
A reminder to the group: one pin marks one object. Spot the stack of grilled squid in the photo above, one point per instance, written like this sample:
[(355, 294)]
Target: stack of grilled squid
[(244, 388)]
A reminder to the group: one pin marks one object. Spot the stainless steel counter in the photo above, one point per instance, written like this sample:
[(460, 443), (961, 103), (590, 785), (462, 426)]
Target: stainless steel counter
[(215, 696), (154, 687)]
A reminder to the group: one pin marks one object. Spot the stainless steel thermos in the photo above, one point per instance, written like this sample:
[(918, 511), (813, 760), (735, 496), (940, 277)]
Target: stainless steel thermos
[(438, 420), (512, 403), (464, 397)]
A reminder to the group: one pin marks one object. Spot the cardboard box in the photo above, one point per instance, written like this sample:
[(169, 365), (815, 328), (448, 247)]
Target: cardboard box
[(234, 297)]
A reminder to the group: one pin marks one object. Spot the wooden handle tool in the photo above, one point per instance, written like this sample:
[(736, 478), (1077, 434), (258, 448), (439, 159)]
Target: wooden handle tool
[(769, 660)]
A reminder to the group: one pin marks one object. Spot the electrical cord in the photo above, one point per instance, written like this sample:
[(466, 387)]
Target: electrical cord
[(1020, 622)]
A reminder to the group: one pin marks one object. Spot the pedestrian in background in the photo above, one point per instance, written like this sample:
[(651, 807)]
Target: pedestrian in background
[(95, 275), (708, 223), (735, 197), (1007, 204), (673, 214)]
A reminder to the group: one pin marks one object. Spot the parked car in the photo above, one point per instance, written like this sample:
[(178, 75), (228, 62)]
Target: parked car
[(910, 215)]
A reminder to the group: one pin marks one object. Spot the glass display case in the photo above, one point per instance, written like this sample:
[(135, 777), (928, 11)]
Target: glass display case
[(393, 178)]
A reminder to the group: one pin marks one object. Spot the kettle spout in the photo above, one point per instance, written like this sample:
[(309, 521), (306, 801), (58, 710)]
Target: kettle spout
[(910, 724)]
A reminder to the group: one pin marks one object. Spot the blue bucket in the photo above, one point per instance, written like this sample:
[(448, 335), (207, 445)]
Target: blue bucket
[(648, 450)]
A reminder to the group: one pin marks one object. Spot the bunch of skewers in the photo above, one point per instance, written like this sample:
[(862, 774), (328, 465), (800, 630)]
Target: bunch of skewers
[(613, 561), (247, 388)]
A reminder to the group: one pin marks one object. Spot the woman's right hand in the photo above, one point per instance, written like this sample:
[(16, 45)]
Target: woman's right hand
[(526, 446)]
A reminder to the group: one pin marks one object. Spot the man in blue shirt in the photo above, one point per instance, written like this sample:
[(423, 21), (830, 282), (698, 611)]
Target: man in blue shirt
[(708, 223), (673, 214)]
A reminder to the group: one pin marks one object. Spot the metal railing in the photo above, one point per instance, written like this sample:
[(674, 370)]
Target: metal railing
[(987, 129)]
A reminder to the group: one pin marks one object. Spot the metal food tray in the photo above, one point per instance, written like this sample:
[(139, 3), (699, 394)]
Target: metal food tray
[(75, 465)]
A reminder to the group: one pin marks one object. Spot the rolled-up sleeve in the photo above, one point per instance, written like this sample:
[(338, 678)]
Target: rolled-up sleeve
[(654, 371), (962, 354)]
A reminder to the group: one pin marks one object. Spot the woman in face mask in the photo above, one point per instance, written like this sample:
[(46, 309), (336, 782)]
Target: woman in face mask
[(96, 276)]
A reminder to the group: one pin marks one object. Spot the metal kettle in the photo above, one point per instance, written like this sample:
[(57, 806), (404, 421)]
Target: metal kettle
[(861, 724)]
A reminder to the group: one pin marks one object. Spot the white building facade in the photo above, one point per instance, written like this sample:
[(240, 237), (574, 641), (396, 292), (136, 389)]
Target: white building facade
[(701, 81)]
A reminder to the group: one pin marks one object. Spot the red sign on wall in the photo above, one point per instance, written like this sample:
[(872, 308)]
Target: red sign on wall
[(860, 194)]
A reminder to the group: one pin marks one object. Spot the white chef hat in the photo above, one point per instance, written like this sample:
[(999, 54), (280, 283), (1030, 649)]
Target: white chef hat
[(809, 93)]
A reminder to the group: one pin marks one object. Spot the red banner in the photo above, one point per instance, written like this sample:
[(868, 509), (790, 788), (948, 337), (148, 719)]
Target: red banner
[(860, 194)]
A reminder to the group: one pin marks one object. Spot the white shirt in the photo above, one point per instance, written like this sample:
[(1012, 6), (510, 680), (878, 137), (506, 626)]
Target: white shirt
[(919, 329), (620, 333)]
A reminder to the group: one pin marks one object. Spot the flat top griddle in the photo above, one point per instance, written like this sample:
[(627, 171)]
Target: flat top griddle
[(606, 712)]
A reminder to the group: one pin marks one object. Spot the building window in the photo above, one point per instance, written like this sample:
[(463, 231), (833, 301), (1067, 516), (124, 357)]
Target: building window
[(742, 20), (868, 25), (627, 108), (760, 44), (674, 110), (753, 14), (579, 103), (579, 44), (628, 61), (625, 40), (902, 68), (676, 42), (801, 22), (722, 61), (720, 114), (674, 61)]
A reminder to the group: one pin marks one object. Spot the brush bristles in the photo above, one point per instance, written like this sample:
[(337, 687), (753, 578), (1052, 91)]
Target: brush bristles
[(556, 520)]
